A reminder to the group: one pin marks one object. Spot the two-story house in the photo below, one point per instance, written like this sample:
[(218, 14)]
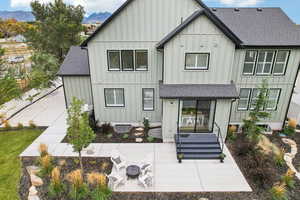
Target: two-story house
[(184, 66)]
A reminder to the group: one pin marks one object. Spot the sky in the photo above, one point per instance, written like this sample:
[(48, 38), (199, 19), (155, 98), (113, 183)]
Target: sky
[(291, 7)]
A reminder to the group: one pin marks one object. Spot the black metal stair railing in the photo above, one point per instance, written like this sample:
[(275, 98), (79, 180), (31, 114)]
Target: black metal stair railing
[(220, 137)]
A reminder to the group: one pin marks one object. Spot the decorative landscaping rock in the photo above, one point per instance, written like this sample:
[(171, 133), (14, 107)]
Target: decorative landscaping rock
[(62, 162), (35, 180), (32, 170), (288, 157), (139, 140), (203, 199), (33, 191), (35, 197), (139, 134), (140, 129)]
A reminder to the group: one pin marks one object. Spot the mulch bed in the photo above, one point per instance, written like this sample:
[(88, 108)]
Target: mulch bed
[(118, 138), (71, 163), (260, 193)]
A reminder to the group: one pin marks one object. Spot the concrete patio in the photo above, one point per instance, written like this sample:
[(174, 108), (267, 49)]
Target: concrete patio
[(169, 175)]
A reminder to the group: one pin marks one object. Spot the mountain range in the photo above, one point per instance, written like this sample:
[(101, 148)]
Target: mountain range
[(26, 16)]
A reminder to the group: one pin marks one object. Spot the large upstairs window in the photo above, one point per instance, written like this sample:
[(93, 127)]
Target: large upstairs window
[(127, 60), (281, 62), (196, 61), (266, 62)]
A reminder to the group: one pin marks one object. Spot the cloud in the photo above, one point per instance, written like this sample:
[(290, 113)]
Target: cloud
[(240, 3), (89, 5)]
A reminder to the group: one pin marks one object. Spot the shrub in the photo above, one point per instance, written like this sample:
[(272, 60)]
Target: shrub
[(125, 136), (20, 125), (150, 139), (146, 124), (292, 123), (279, 192), (32, 124), (6, 125), (46, 165), (106, 128), (109, 136), (93, 122), (104, 166), (288, 179), (232, 133), (56, 187), (43, 149), (100, 191), (279, 158), (79, 189)]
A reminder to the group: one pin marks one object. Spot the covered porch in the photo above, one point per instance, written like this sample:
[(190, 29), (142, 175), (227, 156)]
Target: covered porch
[(196, 117)]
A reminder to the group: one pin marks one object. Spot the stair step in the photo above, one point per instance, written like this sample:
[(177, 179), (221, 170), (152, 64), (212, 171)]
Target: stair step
[(198, 146), (203, 141), (200, 151), (200, 156)]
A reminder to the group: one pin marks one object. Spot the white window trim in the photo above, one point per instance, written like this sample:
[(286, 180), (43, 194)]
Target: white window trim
[(197, 67), (254, 62), (248, 99), (115, 98), (253, 98), (285, 62), (265, 62), (275, 99)]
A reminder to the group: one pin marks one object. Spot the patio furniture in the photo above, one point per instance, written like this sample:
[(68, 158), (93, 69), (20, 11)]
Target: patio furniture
[(118, 160), (145, 168), (133, 171), (115, 180), (146, 180)]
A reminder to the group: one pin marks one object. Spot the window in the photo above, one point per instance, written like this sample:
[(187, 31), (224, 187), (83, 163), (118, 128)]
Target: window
[(141, 60), (114, 62), (273, 97), (127, 60), (196, 61), (254, 98), (148, 99), (264, 62), (114, 97), (244, 99), (281, 62), (250, 61)]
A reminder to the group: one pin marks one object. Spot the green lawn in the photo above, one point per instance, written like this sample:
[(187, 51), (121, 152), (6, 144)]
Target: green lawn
[(12, 143)]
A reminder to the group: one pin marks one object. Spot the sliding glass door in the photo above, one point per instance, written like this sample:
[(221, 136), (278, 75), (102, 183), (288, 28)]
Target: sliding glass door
[(196, 116)]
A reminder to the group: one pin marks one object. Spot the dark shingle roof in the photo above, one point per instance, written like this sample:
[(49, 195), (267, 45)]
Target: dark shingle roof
[(76, 63), (220, 91), (190, 19), (267, 27)]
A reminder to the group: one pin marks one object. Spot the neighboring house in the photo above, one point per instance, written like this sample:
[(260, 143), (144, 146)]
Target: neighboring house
[(185, 66)]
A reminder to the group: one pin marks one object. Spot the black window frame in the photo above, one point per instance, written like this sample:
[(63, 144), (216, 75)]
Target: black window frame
[(135, 60), (277, 101), (248, 101), (108, 60), (286, 64), (143, 99), (197, 69), (110, 106), (255, 63)]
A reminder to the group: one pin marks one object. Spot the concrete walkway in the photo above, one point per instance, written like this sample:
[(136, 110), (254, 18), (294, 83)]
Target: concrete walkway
[(169, 175), (43, 112)]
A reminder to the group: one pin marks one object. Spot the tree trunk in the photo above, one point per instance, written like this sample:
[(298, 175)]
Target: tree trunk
[(80, 161)]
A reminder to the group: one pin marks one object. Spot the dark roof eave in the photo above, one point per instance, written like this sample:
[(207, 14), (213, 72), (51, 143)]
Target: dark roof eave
[(244, 46), (64, 75)]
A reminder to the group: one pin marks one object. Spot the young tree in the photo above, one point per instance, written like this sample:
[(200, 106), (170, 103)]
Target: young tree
[(43, 70), (79, 133), (251, 127), (57, 27)]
